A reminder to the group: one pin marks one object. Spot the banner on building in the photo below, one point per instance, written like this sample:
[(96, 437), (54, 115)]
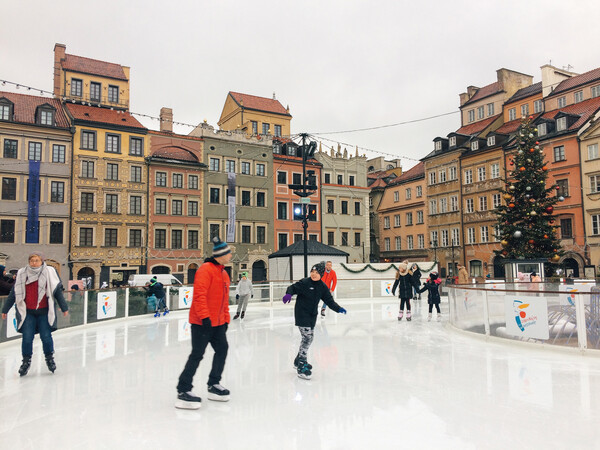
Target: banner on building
[(107, 305), (526, 316), (32, 227), (231, 207)]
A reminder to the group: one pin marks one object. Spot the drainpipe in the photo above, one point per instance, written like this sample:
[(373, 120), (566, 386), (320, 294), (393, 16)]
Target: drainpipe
[(586, 247)]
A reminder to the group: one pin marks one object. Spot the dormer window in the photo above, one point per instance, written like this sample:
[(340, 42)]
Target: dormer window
[(471, 115), (562, 102), (512, 114), (45, 115), (475, 145), (291, 150), (76, 87), (491, 140), (542, 130), (438, 145), (277, 149), (561, 124), (453, 141), (578, 96), (6, 108), (596, 91)]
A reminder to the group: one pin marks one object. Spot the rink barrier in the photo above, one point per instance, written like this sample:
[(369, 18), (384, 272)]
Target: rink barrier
[(566, 315)]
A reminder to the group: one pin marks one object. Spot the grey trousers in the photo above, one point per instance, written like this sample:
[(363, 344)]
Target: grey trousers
[(243, 303)]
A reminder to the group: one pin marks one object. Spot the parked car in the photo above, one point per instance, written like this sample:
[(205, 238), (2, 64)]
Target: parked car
[(165, 278)]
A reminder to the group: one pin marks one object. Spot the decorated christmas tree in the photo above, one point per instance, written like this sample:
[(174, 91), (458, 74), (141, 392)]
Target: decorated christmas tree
[(527, 228)]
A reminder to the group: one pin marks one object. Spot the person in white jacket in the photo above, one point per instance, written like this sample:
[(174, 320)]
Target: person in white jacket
[(243, 292)]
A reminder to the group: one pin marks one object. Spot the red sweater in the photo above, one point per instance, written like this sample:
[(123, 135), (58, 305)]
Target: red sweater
[(31, 297), (330, 280)]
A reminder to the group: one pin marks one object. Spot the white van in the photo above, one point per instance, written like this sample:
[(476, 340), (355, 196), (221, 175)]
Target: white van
[(166, 279)]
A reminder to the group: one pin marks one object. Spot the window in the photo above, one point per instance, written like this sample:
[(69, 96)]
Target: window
[(245, 168), (561, 124), (453, 141), (470, 235), (192, 239), (5, 111), (480, 112), (596, 91), (396, 196), (265, 128), (327, 178), (136, 174), (56, 232), (340, 179), (566, 228), (562, 102), (135, 205), (344, 238), (245, 198), (578, 96), (469, 205), (76, 87), (475, 145), (282, 210), (193, 182), (281, 177), (161, 179), (278, 130), (592, 151), (357, 208), (434, 238), (475, 268), (398, 240), (113, 94), (88, 140), (178, 180), (482, 203), (495, 170), (7, 231), (160, 238), (559, 153), (177, 207), (542, 129), (112, 204), (491, 140), (563, 188), (386, 222), (46, 117), (595, 225), (442, 175), (432, 207), (260, 234), (282, 238), (330, 207), (357, 239), (110, 237), (57, 192), (112, 171), (455, 236), (176, 239), (161, 206), (454, 203), (421, 241), (260, 199), (432, 178), (443, 205), (86, 237), (437, 145), (496, 200), (468, 176), (512, 114), (213, 164), (95, 91), (296, 178), (396, 220), (525, 110), (351, 180), (10, 148), (113, 143), (35, 151), (135, 238), (215, 195), (484, 234), (481, 173), (214, 230), (409, 218), (419, 189), (490, 109), (595, 183), (344, 207), (246, 234), (260, 170), (229, 166), (386, 244), (87, 202), (254, 127), (471, 115), (192, 208), (445, 238), (58, 153), (136, 146)]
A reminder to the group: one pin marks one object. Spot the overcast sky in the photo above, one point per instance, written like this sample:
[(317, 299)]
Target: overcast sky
[(339, 65)]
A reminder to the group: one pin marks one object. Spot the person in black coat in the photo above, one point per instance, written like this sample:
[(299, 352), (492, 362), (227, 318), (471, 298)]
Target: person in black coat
[(6, 282), (432, 285), (154, 287), (416, 274), (405, 284), (309, 292)]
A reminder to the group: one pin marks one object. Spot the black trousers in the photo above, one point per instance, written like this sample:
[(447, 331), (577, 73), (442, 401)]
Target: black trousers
[(437, 307), (201, 337)]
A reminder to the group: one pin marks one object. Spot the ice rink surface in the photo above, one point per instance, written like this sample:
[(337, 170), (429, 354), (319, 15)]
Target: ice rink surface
[(377, 384)]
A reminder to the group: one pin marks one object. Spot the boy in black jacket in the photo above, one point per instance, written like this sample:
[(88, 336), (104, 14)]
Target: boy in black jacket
[(309, 292), (157, 289)]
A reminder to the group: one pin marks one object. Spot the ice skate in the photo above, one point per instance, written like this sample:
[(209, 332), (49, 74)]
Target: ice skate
[(303, 370), (400, 316), (408, 316), (156, 313), (166, 312), (50, 362), (218, 393), (322, 312), (25, 366), (243, 314), (297, 363), (237, 315), (188, 400), (429, 317), (439, 317)]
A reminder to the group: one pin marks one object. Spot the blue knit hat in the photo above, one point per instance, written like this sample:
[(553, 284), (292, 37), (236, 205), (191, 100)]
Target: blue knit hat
[(220, 248)]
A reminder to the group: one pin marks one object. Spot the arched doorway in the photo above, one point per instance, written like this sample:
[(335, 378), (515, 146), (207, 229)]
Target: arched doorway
[(191, 273), (259, 271), (571, 267), (499, 271), (89, 275), (160, 269)]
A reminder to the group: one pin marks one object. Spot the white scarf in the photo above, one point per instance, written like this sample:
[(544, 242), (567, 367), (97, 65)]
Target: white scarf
[(47, 279)]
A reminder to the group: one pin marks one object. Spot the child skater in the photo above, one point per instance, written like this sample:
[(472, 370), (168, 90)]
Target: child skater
[(405, 283), (432, 285), (309, 291)]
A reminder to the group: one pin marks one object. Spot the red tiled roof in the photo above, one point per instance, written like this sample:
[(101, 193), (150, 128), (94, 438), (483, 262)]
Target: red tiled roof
[(583, 109), (412, 173), (26, 105), (259, 103), (380, 182), (104, 116), (94, 67), (477, 127), (513, 125), (577, 80), (484, 92), (172, 152)]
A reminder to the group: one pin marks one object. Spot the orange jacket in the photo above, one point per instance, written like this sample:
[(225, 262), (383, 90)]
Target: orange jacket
[(330, 280), (211, 294)]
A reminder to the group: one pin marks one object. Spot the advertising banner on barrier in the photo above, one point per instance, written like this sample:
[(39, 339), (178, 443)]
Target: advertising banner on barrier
[(107, 305), (184, 330), (105, 344), (386, 288), (526, 316), (186, 293), (568, 298), (11, 323)]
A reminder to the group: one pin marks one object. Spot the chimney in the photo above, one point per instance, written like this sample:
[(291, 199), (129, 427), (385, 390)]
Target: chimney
[(59, 57), (166, 120)]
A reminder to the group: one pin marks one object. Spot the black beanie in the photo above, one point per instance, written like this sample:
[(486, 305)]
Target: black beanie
[(319, 267)]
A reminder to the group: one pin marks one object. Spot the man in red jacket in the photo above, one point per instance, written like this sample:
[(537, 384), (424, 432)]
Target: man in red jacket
[(209, 317), (330, 279)]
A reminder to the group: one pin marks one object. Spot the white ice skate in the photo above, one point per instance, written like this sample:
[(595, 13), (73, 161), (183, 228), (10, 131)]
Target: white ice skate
[(429, 317)]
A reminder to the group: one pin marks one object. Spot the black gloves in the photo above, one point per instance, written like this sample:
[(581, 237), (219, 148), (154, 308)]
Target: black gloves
[(206, 322)]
